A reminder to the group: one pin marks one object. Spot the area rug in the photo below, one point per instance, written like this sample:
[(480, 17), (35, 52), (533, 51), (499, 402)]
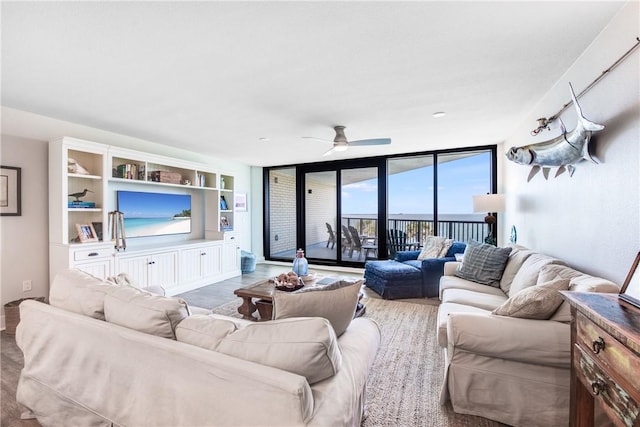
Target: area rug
[(404, 383)]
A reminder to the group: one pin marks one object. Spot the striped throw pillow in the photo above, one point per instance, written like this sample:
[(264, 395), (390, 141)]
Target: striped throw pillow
[(483, 263)]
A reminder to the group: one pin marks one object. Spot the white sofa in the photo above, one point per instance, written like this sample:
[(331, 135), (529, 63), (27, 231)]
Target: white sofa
[(106, 355), (508, 369)]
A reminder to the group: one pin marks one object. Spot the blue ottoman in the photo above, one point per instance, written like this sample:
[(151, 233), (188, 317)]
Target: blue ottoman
[(393, 280)]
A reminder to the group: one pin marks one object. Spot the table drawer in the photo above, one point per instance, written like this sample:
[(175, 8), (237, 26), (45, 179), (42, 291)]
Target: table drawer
[(89, 254), (610, 353), (618, 404)]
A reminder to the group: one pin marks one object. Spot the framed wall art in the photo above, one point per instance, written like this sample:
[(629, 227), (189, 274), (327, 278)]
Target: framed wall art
[(240, 202), (10, 191)]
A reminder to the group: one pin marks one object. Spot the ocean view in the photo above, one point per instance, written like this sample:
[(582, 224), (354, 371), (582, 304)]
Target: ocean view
[(138, 227)]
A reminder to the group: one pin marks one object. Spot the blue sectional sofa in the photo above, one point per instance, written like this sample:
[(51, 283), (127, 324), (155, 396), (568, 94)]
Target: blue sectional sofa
[(408, 277)]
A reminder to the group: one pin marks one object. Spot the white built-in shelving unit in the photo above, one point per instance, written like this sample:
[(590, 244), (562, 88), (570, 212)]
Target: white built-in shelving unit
[(208, 254)]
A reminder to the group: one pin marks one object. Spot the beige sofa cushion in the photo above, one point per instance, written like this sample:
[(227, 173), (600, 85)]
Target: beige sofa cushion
[(528, 273), (517, 257), (536, 302), (336, 305), (443, 315), (455, 282), (204, 331), (79, 292), (145, 312), (306, 346), (482, 300)]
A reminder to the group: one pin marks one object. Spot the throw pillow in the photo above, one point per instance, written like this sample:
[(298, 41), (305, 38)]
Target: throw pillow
[(204, 331), (336, 305), (483, 263), (536, 302), (79, 292), (145, 312), (446, 245), (305, 346), (432, 247)]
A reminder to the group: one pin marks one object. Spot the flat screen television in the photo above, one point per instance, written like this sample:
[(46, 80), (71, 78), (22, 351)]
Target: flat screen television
[(154, 214)]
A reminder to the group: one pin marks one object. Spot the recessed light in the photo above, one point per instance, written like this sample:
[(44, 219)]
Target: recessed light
[(263, 139), (438, 114)]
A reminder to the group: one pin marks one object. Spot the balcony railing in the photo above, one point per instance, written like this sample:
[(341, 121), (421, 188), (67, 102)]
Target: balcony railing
[(418, 229)]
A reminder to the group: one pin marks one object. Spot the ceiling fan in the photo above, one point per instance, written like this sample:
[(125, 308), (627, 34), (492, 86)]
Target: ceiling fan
[(340, 142)]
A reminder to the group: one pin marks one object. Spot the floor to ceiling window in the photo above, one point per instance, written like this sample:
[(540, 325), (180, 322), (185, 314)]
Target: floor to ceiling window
[(461, 176), (410, 196), (344, 212)]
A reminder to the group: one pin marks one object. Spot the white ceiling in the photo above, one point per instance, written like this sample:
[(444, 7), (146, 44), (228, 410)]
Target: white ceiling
[(215, 77)]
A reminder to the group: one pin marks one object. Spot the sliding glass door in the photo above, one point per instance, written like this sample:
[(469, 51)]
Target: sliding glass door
[(359, 217), (341, 212), (348, 211)]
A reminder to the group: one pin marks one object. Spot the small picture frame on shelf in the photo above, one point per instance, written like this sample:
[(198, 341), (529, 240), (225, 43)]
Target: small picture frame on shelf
[(97, 226), (224, 224), (86, 233)]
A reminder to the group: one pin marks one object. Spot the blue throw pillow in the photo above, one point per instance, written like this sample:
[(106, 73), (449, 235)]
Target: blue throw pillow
[(483, 263)]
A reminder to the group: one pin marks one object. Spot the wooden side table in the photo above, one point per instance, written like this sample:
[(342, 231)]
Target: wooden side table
[(605, 358)]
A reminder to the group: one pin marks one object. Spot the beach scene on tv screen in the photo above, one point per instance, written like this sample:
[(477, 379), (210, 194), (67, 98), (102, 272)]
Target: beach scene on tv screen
[(154, 214)]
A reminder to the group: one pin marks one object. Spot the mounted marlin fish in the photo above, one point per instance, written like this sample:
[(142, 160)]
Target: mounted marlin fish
[(563, 151)]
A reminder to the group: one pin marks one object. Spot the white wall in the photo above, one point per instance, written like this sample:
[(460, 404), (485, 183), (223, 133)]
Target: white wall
[(25, 250), (590, 220)]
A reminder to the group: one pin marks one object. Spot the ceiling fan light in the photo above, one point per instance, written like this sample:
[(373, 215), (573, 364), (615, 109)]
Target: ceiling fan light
[(340, 148)]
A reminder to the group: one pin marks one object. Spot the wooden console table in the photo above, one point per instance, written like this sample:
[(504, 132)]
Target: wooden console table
[(605, 358)]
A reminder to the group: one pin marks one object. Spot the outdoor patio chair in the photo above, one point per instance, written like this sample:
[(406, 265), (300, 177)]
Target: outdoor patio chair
[(397, 241), (332, 236), (346, 239), (356, 245)]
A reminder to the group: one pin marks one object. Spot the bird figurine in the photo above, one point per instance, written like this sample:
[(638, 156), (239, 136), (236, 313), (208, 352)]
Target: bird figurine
[(80, 194)]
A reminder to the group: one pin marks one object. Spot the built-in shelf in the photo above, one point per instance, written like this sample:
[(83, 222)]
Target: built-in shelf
[(100, 171)]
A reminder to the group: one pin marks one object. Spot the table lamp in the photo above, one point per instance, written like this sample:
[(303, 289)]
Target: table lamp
[(490, 203)]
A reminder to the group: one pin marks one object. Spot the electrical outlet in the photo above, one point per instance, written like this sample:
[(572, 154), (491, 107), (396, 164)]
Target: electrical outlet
[(26, 285)]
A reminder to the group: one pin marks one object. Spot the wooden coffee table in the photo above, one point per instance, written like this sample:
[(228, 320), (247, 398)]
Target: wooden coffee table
[(259, 296)]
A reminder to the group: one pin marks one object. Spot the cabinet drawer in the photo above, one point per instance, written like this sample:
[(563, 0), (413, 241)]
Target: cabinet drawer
[(89, 254), (230, 236), (617, 403), (609, 352)]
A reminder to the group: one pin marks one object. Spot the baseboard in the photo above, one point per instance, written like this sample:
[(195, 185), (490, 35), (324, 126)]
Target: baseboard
[(320, 267)]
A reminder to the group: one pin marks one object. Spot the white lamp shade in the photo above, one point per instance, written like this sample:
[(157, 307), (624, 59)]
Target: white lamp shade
[(488, 203)]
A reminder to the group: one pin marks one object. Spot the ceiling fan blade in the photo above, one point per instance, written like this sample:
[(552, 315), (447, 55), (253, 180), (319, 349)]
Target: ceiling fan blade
[(330, 151), (313, 138), (378, 141)]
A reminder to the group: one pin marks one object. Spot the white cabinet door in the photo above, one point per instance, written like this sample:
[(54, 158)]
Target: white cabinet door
[(99, 268), (230, 256), (190, 265), (200, 264), (211, 261), (137, 267), (164, 270)]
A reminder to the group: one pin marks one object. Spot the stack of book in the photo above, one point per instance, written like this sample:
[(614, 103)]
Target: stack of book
[(129, 171), (82, 204)]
